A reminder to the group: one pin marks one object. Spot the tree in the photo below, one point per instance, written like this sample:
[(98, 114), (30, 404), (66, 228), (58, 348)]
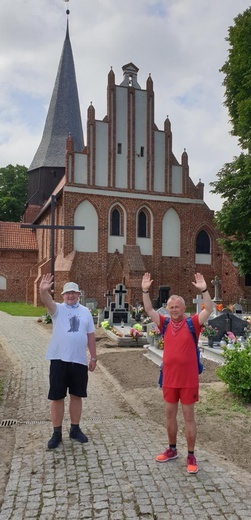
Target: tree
[(13, 192), (237, 81), (234, 219), (234, 179)]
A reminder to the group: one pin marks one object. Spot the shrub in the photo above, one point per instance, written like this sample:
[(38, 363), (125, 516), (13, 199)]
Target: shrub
[(47, 318), (236, 371)]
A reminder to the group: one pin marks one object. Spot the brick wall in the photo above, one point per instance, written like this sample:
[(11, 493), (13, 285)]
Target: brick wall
[(15, 266)]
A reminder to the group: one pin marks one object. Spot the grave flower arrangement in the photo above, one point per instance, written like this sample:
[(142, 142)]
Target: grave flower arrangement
[(231, 339), (154, 331), (248, 327), (208, 331), (229, 336), (136, 332), (161, 343), (105, 324), (146, 320), (138, 312), (137, 326)]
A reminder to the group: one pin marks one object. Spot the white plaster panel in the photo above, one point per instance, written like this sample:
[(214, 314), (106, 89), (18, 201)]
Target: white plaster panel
[(140, 139), (86, 240), (203, 259), (101, 154), (171, 234), (145, 244), (176, 179), (121, 137), (159, 161), (115, 242), (80, 168), (2, 282)]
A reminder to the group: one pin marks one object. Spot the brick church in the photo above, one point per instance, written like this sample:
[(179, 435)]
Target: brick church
[(139, 207)]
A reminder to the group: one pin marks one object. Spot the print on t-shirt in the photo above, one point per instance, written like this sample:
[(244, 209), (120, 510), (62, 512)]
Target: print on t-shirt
[(74, 324)]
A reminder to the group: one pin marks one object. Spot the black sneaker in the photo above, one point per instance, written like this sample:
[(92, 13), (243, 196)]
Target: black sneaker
[(77, 435), (54, 440)]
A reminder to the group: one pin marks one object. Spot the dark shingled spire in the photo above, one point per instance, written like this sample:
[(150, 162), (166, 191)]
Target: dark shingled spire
[(63, 116)]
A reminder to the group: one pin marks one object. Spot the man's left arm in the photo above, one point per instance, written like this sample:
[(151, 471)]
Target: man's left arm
[(208, 308), (92, 349), (201, 285)]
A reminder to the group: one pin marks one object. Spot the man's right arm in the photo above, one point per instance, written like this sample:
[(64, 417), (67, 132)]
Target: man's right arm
[(146, 284), (44, 288)]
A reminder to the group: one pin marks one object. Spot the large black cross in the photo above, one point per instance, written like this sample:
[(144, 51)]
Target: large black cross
[(52, 226), (120, 291)]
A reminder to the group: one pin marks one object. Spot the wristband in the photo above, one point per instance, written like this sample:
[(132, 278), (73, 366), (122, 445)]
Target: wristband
[(94, 359), (145, 292), (205, 290)]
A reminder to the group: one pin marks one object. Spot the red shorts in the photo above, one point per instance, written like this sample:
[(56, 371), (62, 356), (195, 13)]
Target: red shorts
[(184, 395)]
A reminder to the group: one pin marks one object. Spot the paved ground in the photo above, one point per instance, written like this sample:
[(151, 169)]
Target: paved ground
[(114, 476)]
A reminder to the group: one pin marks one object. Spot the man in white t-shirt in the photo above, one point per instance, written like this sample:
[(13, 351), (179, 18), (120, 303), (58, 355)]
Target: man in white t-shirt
[(73, 332)]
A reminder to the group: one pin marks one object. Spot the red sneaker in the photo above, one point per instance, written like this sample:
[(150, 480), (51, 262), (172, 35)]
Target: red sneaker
[(192, 466), (169, 454)]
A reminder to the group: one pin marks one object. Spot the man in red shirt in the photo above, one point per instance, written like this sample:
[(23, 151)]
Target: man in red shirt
[(180, 365)]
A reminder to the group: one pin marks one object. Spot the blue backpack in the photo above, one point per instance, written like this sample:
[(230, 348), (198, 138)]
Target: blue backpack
[(191, 328)]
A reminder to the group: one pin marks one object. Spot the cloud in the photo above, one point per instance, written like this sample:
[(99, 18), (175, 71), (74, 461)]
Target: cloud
[(180, 42)]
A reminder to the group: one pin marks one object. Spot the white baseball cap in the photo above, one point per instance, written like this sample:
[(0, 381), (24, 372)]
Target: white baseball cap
[(70, 286)]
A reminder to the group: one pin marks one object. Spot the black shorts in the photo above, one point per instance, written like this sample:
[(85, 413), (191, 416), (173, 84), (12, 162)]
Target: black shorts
[(66, 375)]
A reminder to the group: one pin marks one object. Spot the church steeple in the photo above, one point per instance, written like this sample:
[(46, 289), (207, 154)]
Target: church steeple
[(63, 118)]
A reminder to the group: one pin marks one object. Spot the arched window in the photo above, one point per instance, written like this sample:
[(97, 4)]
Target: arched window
[(248, 280), (203, 243), (115, 223), (142, 224)]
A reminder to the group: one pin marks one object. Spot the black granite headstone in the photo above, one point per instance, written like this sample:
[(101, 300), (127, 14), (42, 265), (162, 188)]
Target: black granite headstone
[(228, 322)]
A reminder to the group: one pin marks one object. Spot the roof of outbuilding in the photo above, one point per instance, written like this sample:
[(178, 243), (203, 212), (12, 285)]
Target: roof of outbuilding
[(12, 236)]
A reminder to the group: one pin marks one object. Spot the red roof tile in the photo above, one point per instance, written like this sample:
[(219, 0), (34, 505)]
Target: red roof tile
[(12, 236)]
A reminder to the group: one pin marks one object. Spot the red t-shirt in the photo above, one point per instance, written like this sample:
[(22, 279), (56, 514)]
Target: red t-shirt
[(180, 365)]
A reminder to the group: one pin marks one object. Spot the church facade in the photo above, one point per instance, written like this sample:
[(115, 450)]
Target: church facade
[(137, 202)]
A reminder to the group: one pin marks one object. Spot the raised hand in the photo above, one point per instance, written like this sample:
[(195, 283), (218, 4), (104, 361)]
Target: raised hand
[(199, 283), (146, 282), (46, 282)]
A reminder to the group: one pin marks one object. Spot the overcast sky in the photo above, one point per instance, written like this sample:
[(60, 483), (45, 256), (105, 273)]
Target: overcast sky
[(180, 42)]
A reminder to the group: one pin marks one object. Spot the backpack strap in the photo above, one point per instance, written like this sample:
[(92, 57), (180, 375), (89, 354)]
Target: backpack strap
[(191, 328), (165, 325)]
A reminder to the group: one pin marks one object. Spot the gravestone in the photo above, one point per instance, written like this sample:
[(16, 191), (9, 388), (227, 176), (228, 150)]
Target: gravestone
[(119, 310), (237, 308), (216, 282), (198, 300), (82, 297), (228, 322), (244, 304), (108, 303), (91, 303)]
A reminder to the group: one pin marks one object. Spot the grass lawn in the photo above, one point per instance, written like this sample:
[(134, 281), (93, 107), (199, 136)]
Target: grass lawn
[(21, 309)]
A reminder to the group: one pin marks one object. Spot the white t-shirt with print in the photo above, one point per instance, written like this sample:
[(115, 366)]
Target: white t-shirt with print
[(69, 341)]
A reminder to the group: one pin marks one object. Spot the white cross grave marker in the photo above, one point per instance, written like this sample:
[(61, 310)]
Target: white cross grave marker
[(198, 300)]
